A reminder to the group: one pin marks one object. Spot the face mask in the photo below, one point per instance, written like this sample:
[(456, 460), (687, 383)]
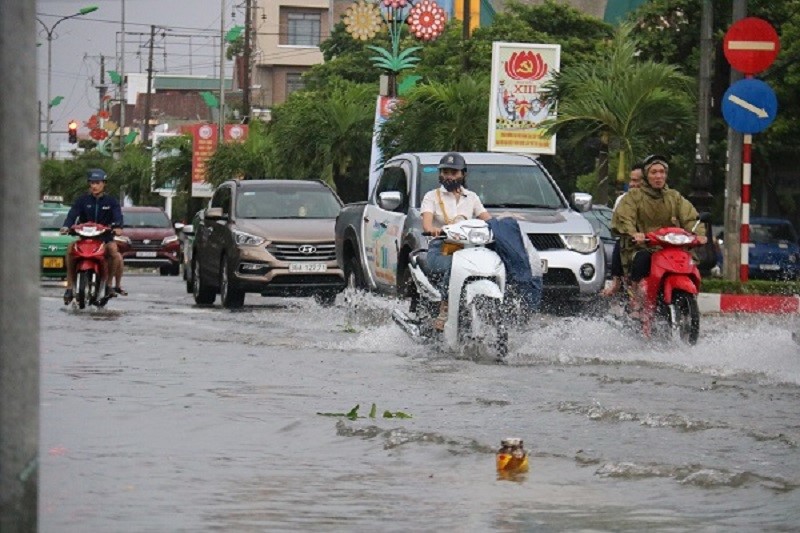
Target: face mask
[(451, 185)]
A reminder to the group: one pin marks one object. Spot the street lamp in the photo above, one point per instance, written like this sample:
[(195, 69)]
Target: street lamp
[(49, 32)]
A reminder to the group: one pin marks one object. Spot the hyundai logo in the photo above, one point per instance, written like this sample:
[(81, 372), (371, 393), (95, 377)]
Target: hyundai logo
[(307, 249), (52, 248), (146, 241)]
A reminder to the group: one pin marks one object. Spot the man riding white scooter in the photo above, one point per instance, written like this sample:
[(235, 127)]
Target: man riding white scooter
[(448, 203)]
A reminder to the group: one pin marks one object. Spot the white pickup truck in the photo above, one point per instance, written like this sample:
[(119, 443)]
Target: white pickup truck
[(374, 238)]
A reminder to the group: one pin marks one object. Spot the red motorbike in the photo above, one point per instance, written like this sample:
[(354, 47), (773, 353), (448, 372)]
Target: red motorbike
[(670, 309), (89, 252)]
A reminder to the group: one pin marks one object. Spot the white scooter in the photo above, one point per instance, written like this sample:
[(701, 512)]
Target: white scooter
[(475, 298)]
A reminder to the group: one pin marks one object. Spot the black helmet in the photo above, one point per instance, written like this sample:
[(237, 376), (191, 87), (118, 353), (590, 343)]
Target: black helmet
[(453, 160), (96, 174)]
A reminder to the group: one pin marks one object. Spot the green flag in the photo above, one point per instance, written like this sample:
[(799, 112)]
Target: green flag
[(130, 137), (210, 99), (234, 33), (115, 77), (57, 100)]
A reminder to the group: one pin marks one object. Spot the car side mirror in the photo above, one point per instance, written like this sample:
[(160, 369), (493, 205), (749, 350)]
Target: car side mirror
[(581, 201), (187, 229), (215, 213), (178, 226), (390, 200)]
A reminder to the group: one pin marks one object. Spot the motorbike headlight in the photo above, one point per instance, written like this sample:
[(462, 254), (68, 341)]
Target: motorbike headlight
[(167, 240), (246, 239), (677, 239), (584, 244), (479, 236)]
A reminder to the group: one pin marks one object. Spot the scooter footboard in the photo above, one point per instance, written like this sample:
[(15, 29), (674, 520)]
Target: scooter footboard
[(483, 287)]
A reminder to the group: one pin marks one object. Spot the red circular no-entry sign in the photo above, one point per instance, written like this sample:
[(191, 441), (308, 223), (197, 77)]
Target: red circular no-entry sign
[(751, 45)]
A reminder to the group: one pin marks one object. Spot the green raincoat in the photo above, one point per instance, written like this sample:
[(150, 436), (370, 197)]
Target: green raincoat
[(646, 209)]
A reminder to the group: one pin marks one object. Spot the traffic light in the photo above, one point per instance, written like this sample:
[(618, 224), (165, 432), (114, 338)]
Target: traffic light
[(72, 130)]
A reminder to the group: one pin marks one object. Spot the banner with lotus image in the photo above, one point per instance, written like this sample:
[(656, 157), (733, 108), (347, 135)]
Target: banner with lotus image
[(518, 104)]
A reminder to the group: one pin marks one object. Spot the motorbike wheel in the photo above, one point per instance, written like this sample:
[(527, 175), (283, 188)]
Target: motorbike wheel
[(203, 293), (232, 297), (481, 323), (83, 289), (685, 317)]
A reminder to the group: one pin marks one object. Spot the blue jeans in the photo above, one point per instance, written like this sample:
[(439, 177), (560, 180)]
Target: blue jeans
[(439, 266)]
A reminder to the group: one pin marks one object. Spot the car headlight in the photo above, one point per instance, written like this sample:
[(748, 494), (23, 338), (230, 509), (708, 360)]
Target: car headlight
[(246, 239), (167, 240), (581, 243)]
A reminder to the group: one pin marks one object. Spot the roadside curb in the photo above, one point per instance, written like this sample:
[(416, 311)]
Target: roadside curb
[(747, 303)]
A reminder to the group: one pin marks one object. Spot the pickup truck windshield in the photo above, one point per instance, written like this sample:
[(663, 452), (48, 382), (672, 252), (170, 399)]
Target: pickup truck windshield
[(305, 203), (502, 185)]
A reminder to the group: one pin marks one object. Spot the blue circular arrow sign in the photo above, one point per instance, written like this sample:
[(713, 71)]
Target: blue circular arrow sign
[(749, 106)]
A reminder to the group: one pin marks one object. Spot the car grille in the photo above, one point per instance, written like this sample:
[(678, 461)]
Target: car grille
[(546, 241), (292, 251), (559, 278), (140, 246)]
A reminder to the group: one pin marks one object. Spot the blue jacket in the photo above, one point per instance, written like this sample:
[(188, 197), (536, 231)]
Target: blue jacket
[(103, 210), (510, 247)]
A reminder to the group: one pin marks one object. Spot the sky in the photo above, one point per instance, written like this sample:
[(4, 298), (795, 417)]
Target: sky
[(184, 44)]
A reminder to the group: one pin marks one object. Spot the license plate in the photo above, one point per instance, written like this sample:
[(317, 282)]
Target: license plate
[(544, 266), (769, 267), (146, 254), (308, 267), (53, 262)]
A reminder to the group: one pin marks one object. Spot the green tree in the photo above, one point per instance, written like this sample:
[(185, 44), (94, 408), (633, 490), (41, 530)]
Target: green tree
[(439, 117), (629, 104), (134, 172), (326, 135)]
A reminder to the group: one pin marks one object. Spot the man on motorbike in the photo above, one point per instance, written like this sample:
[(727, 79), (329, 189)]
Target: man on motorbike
[(636, 177), (96, 206), (651, 207), (446, 204)]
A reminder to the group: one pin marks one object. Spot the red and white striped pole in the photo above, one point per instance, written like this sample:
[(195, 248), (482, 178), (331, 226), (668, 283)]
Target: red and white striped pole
[(744, 267)]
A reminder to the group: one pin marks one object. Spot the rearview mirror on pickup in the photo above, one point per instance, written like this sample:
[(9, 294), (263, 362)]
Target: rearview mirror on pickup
[(581, 201), (390, 200), (215, 213)]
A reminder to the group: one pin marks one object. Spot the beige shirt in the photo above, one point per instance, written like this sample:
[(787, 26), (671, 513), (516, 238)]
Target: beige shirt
[(464, 205)]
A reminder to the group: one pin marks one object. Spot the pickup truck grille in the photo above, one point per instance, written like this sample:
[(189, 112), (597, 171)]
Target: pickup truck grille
[(303, 252), (546, 241)]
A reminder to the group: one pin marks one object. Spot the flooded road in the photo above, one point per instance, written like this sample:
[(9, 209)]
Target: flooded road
[(201, 419)]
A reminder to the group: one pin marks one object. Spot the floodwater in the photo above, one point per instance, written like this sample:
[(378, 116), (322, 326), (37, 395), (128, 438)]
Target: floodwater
[(188, 419)]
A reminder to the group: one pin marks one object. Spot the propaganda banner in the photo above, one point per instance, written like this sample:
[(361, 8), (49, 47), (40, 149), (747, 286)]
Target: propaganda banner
[(204, 143), (518, 101), (235, 132)]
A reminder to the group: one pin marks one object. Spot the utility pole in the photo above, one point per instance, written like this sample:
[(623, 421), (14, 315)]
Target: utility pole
[(123, 99), (221, 118), (246, 58), (19, 272), (465, 33), (701, 186), (733, 183), (148, 96)]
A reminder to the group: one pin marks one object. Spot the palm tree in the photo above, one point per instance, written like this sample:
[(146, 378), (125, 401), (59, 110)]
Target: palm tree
[(439, 117), (326, 135), (628, 104)]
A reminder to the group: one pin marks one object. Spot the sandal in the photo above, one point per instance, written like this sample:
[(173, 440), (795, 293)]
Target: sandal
[(68, 296), (120, 291), (439, 321)]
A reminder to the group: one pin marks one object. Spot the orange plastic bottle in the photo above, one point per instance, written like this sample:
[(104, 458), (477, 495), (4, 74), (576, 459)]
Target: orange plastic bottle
[(512, 457)]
